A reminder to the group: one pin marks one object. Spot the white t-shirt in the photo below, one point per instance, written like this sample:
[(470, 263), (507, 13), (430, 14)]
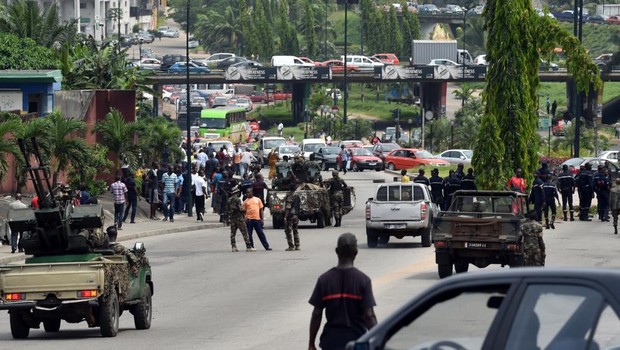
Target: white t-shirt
[(280, 127), (199, 182), (246, 157)]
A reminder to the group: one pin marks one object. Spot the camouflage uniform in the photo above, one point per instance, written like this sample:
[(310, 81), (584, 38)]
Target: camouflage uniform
[(533, 244), (291, 221), (614, 203), (312, 169), (237, 221), (336, 184), (299, 172)]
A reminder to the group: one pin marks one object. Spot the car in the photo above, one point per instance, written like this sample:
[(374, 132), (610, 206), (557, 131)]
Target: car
[(428, 9), (457, 156), (247, 63), (338, 66), (217, 57), (307, 60), (165, 95), (382, 149), (181, 67), (145, 37), (220, 101), (558, 127), (602, 60), (574, 165), (193, 43), (611, 156), (289, 150), (524, 308), (147, 53), (351, 143), (149, 63), (261, 97), (548, 66), (407, 158), (227, 62), (613, 20), (477, 10), (326, 156), (453, 9), (598, 19), (200, 101), (281, 96), (170, 33), (481, 60), (363, 62), (443, 62), (387, 58), (168, 60), (244, 102), (361, 159)]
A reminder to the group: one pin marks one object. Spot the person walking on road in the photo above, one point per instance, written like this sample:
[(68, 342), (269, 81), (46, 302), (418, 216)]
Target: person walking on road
[(132, 198), (237, 221), (254, 219), (537, 197), (551, 195), (291, 221), (614, 204), (16, 204), (584, 184), (566, 185), (119, 194), (170, 191), (200, 193), (344, 159), (336, 186), (153, 190), (602, 186), (345, 293)]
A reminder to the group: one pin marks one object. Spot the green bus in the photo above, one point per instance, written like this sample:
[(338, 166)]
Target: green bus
[(228, 122)]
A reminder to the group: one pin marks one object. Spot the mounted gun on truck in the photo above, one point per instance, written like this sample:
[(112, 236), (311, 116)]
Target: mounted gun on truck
[(76, 271)]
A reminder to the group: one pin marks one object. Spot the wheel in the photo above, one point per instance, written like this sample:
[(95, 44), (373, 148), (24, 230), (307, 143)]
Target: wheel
[(19, 327), (143, 312), (166, 99), (320, 220), (263, 101), (444, 270), (426, 236), (371, 238), (391, 166), (461, 267), (354, 167), (384, 239), (108, 315), (51, 326)]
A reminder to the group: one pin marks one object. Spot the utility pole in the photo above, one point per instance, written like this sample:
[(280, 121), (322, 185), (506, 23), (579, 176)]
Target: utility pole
[(577, 95)]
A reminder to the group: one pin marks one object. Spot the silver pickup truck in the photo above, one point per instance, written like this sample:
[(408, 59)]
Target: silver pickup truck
[(399, 210)]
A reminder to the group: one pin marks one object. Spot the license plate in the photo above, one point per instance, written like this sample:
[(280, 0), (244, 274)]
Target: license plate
[(395, 226), (475, 245), (372, 164)]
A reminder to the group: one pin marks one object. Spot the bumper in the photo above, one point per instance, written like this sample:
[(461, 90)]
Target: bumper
[(30, 304), (395, 228), (369, 166)]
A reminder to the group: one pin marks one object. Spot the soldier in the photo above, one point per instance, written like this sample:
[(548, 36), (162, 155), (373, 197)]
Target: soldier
[(468, 181), (451, 184), (614, 204), (291, 221), (298, 169), (534, 250), (601, 185), (227, 183), (551, 195), (436, 184), (236, 215), (584, 184), (460, 173), (566, 186), (336, 185), (537, 196), (421, 179), (312, 169)]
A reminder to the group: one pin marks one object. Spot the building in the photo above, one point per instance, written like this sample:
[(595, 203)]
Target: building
[(29, 91)]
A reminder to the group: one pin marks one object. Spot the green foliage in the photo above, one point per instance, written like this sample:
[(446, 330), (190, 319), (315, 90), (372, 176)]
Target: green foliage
[(95, 165), (24, 54), (157, 135), (597, 38), (65, 143), (264, 32), (118, 137), (10, 127), (221, 31), (489, 155), (309, 32)]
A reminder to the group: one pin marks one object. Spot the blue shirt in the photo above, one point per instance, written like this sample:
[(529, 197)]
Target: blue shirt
[(170, 182)]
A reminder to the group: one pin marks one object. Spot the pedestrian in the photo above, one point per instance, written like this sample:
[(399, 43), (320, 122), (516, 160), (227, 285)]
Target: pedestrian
[(548, 105), (254, 219), (602, 186), (436, 183), (537, 196), (517, 182), (344, 158), (200, 193), (534, 250), (421, 179), (132, 198), (469, 181), (273, 158), (245, 161), (260, 188), (345, 293), (291, 220), (280, 129), (336, 186), (237, 221), (584, 185), (202, 158), (215, 190), (236, 156), (119, 195), (554, 107), (551, 195), (566, 186), (404, 178), (17, 204), (169, 192), (153, 188), (614, 203)]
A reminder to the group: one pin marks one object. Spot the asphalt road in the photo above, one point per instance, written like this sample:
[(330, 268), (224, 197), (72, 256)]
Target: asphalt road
[(207, 297)]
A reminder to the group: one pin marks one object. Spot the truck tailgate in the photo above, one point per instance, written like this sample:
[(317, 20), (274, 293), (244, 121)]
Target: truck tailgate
[(464, 228), (395, 211)]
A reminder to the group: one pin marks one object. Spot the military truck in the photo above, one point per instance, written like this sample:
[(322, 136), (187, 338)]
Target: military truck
[(314, 205), (73, 272), (480, 228)]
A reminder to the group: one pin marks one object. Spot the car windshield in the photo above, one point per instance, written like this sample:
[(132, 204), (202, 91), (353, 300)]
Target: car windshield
[(289, 149), (389, 147), (213, 123), (331, 150), (469, 154), (574, 161), (424, 154), (312, 147), (273, 143), (361, 152), (220, 100), (243, 100)]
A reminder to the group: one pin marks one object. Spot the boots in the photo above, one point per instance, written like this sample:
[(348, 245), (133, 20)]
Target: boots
[(572, 218), (547, 223), (337, 222), (234, 249), (566, 216), (552, 221), (615, 229)]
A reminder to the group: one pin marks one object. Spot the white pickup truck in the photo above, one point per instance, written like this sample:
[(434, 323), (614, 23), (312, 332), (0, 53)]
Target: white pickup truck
[(400, 209)]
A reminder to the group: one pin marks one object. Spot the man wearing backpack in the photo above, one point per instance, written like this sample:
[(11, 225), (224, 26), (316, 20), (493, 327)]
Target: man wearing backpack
[(602, 186)]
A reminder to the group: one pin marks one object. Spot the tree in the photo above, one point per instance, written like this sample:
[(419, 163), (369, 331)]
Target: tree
[(24, 54), (220, 31), (309, 31), (395, 39), (512, 81), (157, 136), (289, 45), (10, 126), (263, 31), (118, 137)]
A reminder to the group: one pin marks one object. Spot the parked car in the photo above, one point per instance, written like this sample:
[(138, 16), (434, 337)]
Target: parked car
[(193, 43), (457, 156), (327, 157), (146, 37), (548, 66), (407, 158), (149, 63), (613, 20), (387, 58), (307, 60), (598, 19), (247, 63), (338, 66), (227, 62), (361, 159), (382, 149), (481, 60), (442, 62), (181, 67), (289, 150), (523, 308), (217, 57), (575, 163), (261, 97), (244, 102), (611, 156), (280, 96)]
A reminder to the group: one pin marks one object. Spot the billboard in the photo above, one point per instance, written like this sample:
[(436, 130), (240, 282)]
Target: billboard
[(250, 73), (425, 72), (303, 73)]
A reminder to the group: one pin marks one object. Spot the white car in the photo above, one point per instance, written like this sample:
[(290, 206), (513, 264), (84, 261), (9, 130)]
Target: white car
[(170, 33), (165, 95), (217, 57), (442, 62), (193, 43), (244, 102), (457, 156), (149, 63), (481, 60), (611, 156), (289, 150)]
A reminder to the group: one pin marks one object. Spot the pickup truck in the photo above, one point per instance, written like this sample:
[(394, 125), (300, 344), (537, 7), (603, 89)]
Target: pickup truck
[(399, 210), (480, 228)]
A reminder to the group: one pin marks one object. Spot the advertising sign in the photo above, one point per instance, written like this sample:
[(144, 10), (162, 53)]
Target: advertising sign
[(250, 73), (424, 72), (303, 73)]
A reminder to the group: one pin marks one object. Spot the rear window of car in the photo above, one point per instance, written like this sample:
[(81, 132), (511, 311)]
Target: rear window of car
[(399, 193)]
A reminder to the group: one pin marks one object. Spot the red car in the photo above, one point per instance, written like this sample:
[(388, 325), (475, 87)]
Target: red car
[(613, 20), (280, 96), (388, 58), (307, 60), (338, 66), (261, 97), (361, 159), (407, 158)]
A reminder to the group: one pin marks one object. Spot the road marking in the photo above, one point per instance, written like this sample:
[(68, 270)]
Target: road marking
[(427, 263)]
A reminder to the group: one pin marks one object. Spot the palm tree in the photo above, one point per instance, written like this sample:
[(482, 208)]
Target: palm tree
[(118, 137), (65, 146), (221, 31), (10, 126), (464, 93), (26, 19), (157, 136)]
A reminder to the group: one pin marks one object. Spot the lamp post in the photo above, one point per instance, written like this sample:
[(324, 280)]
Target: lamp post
[(578, 96), (465, 10), (140, 48), (452, 134), (306, 118), (410, 123), (346, 87), (188, 123)]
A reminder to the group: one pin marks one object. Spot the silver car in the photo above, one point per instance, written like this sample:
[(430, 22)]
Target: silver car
[(457, 156)]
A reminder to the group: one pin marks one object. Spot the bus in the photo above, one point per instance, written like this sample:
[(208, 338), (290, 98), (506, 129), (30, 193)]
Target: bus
[(228, 122)]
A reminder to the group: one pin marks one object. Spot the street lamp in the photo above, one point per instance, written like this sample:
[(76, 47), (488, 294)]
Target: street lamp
[(410, 123), (452, 134), (465, 11), (306, 117)]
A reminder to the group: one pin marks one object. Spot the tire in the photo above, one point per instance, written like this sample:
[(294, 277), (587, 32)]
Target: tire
[(166, 99), (320, 220), (108, 315), (143, 312), (461, 267), (19, 327), (354, 167), (391, 166), (444, 270), (52, 325), (371, 238), (426, 236), (384, 239)]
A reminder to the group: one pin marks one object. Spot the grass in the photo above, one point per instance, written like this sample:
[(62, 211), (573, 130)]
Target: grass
[(557, 91), (597, 38)]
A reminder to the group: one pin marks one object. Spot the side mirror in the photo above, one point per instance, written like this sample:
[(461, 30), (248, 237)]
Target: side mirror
[(462, 157), (139, 248), (370, 199)]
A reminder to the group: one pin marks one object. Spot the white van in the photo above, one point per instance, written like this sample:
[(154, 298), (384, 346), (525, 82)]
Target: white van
[(265, 146), (362, 62), (278, 61), (309, 146)]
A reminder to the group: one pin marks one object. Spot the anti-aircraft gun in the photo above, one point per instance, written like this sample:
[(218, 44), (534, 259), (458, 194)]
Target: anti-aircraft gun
[(74, 273)]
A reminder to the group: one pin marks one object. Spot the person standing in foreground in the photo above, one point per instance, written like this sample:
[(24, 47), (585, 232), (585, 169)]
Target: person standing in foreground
[(119, 194), (533, 244), (16, 204), (254, 219), (346, 295), (237, 221), (614, 203)]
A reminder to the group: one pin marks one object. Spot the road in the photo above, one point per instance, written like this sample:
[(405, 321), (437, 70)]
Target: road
[(207, 297)]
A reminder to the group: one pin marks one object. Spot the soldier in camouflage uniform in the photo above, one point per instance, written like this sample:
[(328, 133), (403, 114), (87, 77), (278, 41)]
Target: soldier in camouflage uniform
[(291, 221), (614, 203), (237, 220), (534, 250), (336, 185), (284, 175), (312, 169), (298, 168)]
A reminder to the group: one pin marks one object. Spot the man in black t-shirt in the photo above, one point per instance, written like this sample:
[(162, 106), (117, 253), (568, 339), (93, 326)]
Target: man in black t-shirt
[(132, 197), (346, 295)]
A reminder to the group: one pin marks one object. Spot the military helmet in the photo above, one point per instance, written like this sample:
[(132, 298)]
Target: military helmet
[(335, 173)]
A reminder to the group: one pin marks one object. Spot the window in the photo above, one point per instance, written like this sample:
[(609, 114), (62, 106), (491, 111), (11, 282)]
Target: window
[(606, 334), (82, 5), (382, 194)]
